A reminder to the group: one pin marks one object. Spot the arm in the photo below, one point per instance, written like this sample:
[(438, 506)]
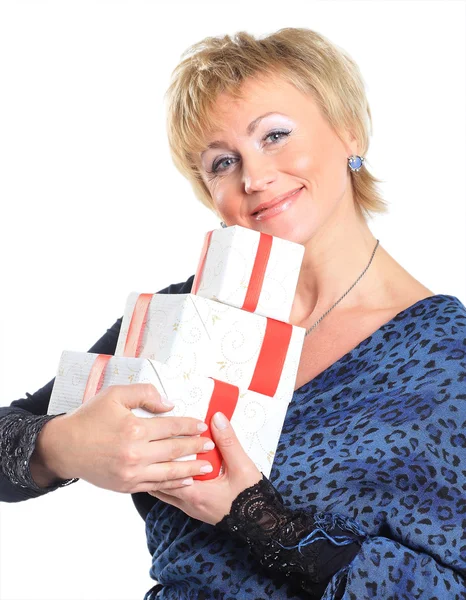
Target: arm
[(330, 557), (23, 475), (311, 547), (28, 467)]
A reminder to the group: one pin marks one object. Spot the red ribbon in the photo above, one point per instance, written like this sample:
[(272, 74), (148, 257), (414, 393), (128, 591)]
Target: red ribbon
[(257, 274), (96, 376), (224, 399), (137, 326), (272, 355), (201, 264)]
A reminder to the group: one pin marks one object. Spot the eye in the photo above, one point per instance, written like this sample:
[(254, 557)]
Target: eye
[(216, 165), (280, 132)]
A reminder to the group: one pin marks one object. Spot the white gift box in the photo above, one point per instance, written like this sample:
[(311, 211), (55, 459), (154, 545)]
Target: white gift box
[(250, 270), (256, 419), (197, 336)]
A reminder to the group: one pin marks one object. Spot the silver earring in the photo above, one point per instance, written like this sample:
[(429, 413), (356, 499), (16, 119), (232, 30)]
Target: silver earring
[(222, 223), (355, 162)]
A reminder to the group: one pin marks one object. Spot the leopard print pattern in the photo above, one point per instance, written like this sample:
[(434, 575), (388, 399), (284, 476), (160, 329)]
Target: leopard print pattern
[(380, 437)]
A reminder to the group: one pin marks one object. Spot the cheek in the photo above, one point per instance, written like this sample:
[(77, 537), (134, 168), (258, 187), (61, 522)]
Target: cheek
[(303, 158), (223, 198), (302, 162), (307, 166), (220, 196), (328, 169), (334, 164)]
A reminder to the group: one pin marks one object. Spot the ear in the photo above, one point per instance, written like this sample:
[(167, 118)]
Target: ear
[(350, 142)]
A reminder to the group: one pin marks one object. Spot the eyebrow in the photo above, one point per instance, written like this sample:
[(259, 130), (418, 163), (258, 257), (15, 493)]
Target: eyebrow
[(250, 129)]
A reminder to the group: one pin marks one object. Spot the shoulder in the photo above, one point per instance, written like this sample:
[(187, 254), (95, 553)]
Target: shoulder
[(423, 345), (441, 314), (445, 319), (432, 333), (451, 307), (184, 287)]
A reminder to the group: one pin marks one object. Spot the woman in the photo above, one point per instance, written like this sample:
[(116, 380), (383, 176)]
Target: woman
[(365, 498)]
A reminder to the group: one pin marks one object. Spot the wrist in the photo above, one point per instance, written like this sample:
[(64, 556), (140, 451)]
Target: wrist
[(257, 513), (48, 461)]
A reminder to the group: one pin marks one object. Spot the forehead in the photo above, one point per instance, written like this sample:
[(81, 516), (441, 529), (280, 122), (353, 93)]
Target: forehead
[(258, 95)]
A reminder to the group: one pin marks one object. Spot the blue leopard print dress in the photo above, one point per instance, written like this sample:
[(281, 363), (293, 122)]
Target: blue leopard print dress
[(379, 436)]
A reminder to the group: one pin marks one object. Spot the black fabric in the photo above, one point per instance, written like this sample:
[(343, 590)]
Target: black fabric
[(18, 436), (311, 547), (18, 424)]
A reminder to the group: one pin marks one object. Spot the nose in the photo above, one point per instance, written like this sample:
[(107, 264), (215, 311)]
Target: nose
[(258, 174)]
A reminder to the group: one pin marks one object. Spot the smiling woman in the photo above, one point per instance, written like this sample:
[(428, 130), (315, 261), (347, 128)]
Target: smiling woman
[(366, 493), (217, 68), (272, 135), (255, 173)]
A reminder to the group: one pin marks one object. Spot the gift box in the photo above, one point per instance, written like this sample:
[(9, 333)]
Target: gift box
[(197, 336), (253, 271), (256, 419)]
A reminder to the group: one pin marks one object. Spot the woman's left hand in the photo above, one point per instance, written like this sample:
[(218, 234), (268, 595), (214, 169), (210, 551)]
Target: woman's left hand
[(211, 500)]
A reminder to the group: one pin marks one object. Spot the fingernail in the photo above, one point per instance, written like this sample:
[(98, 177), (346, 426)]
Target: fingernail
[(166, 401), (207, 469), (220, 421), (188, 481), (202, 427), (209, 445)]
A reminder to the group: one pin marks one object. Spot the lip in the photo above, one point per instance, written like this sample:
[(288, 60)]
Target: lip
[(276, 200), (276, 206)]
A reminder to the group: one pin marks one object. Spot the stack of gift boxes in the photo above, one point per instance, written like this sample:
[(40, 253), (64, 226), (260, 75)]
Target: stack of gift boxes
[(227, 346)]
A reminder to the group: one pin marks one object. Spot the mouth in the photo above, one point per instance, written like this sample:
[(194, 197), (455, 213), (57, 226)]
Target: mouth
[(262, 208)]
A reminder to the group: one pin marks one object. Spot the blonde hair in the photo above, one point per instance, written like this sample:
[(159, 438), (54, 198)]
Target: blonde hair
[(302, 57)]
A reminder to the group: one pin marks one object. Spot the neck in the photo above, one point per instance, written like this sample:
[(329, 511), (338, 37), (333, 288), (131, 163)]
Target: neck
[(333, 260)]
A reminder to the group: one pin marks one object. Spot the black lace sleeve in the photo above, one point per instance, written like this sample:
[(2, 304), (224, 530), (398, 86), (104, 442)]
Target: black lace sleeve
[(18, 435), (311, 547)]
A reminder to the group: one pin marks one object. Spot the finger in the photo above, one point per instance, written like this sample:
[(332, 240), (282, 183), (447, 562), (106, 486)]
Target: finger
[(157, 474), (175, 484), (141, 395), (182, 493), (225, 438), (167, 427), (172, 448), (169, 500)]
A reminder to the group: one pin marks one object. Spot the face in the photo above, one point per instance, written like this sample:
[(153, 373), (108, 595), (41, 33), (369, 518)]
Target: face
[(273, 147)]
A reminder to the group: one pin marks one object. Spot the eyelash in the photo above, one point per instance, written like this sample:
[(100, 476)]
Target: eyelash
[(215, 165)]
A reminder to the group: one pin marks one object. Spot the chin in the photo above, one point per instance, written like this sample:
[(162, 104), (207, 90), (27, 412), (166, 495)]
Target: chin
[(290, 230), (292, 224)]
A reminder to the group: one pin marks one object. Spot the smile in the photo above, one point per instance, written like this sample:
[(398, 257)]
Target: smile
[(267, 213)]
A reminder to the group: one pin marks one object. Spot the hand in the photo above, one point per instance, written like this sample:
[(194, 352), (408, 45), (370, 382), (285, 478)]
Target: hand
[(104, 443), (210, 501)]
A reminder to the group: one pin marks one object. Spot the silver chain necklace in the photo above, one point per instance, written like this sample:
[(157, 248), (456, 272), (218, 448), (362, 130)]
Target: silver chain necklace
[(332, 307)]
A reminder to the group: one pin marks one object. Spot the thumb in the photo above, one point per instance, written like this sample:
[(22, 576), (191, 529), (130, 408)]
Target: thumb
[(139, 396), (226, 441)]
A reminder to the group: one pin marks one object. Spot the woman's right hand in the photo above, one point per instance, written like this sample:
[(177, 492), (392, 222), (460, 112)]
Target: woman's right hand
[(104, 443)]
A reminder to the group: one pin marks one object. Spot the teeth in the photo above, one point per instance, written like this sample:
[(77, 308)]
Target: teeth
[(259, 211)]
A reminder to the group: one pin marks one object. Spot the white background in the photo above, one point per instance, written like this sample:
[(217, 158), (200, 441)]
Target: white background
[(92, 208)]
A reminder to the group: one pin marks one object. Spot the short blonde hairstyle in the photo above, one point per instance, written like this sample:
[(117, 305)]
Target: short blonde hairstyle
[(300, 56)]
